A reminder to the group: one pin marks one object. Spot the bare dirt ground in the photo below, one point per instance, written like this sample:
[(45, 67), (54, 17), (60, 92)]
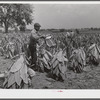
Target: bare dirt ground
[(89, 79)]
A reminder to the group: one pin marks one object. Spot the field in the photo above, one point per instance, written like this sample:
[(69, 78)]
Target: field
[(88, 79)]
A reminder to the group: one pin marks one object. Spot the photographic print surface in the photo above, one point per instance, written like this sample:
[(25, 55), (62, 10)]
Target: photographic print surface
[(49, 46)]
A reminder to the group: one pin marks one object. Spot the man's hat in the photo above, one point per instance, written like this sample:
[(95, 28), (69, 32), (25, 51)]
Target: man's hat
[(37, 25)]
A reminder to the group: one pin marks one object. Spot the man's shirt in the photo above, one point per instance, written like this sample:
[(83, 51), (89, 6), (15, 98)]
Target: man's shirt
[(36, 41), (34, 37), (35, 34)]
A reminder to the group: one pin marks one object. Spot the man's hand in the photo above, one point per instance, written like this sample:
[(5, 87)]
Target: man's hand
[(43, 37)]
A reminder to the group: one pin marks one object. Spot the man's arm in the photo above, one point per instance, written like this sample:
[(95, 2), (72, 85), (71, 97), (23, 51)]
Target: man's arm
[(34, 35)]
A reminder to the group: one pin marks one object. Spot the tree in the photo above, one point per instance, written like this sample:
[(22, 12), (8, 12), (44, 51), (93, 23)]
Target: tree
[(15, 13)]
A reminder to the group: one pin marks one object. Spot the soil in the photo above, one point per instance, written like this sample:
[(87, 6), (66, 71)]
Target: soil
[(89, 79)]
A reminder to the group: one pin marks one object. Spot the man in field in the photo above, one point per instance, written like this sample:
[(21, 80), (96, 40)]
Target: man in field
[(34, 39)]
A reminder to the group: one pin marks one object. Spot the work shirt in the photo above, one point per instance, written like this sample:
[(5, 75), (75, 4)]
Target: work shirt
[(34, 38), (37, 42)]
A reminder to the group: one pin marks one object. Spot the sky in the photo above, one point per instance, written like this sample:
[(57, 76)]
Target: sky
[(67, 15)]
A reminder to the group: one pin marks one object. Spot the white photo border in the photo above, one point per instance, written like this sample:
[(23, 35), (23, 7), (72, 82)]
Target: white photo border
[(50, 93)]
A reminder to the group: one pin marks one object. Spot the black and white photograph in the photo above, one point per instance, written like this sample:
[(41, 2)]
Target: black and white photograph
[(49, 46)]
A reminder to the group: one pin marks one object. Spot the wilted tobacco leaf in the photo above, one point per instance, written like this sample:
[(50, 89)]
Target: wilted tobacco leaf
[(45, 61), (60, 67), (11, 79), (63, 69), (55, 63), (54, 58), (18, 78), (49, 54), (94, 50), (46, 56), (55, 70), (17, 65), (5, 82), (23, 73), (60, 56), (31, 72)]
